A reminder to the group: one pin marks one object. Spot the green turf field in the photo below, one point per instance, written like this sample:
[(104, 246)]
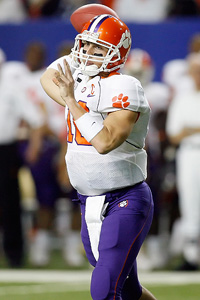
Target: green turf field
[(24, 291)]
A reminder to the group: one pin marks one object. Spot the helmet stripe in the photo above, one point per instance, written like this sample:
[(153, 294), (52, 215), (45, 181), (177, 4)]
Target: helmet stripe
[(96, 23), (92, 23)]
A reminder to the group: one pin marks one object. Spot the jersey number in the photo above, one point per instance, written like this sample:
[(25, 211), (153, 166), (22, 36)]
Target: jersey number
[(80, 140)]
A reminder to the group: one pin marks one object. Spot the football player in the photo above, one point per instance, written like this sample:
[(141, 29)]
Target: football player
[(107, 116)]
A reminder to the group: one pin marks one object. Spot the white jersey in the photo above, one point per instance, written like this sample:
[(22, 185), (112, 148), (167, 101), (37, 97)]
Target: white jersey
[(92, 173), (14, 106), (184, 112), (175, 75), (52, 112)]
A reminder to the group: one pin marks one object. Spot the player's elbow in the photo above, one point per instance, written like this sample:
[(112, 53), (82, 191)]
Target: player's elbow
[(101, 148), (47, 76), (106, 140), (105, 147)]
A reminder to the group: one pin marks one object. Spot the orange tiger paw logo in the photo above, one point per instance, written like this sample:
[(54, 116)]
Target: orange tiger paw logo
[(120, 101)]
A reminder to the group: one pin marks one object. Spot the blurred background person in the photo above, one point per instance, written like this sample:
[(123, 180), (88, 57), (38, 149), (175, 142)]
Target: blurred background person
[(41, 8), (160, 168), (141, 11), (53, 8), (14, 108), (183, 129), (43, 173), (12, 11), (47, 172), (72, 247), (183, 8), (175, 72)]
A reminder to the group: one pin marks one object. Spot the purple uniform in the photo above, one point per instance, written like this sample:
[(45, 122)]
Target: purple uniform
[(127, 221)]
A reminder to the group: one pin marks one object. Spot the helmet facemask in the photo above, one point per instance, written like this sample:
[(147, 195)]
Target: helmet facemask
[(80, 59)]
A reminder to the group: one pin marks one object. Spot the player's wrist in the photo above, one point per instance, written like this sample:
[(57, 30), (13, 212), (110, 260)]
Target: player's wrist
[(89, 126), (69, 101)]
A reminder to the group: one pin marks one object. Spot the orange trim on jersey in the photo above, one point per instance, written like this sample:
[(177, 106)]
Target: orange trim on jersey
[(111, 74)]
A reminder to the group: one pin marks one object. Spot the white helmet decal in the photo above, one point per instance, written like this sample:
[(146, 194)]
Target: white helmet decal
[(125, 40)]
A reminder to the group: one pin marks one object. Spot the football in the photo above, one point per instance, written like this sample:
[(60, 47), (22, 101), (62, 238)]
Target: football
[(86, 12)]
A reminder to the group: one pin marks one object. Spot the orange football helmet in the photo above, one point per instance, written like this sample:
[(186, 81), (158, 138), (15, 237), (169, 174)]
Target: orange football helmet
[(107, 31)]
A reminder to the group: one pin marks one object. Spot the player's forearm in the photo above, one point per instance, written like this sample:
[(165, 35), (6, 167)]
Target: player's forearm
[(104, 141), (108, 135), (75, 109), (96, 133), (113, 135), (50, 88)]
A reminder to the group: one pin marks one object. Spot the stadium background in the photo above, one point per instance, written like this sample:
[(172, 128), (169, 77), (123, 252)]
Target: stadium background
[(163, 41)]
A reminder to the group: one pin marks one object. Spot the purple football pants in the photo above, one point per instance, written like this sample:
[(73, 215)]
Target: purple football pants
[(127, 221)]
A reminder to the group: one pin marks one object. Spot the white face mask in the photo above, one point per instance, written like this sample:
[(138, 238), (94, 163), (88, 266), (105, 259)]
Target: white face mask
[(92, 69), (80, 62)]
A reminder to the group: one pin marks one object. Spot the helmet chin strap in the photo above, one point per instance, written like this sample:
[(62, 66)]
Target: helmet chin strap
[(91, 70)]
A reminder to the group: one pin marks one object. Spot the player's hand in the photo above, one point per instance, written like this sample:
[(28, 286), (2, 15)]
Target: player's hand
[(65, 82)]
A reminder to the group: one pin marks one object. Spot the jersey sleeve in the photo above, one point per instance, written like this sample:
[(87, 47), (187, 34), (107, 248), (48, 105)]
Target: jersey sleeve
[(54, 64), (122, 92)]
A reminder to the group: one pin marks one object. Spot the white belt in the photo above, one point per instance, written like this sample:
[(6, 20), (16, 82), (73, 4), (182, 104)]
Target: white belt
[(94, 211)]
